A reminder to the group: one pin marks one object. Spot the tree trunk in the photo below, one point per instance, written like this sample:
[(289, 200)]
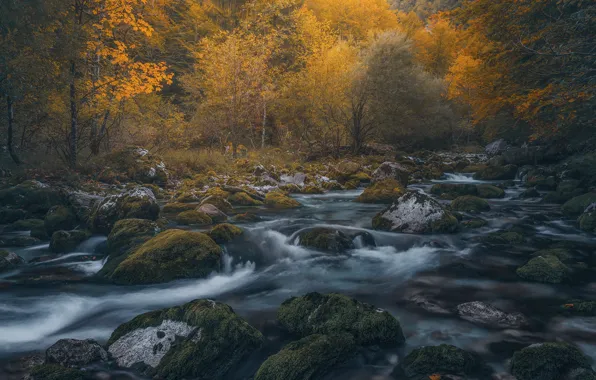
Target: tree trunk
[(10, 109), (264, 123), (72, 142)]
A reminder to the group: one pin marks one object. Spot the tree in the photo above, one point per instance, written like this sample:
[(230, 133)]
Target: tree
[(436, 46)]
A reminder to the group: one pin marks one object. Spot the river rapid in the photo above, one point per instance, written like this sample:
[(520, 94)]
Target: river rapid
[(418, 278)]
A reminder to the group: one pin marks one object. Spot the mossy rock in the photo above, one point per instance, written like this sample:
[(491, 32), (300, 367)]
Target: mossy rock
[(562, 254), (504, 237), (128, 233), (352, 184), (243, 199), (211, 341), (474, 168), (137, 164), (469, 203), (186, 197), (33, 196), (546, 269), (576, 206), (177, 207), (383, 192), (278, 200), (171, 255), (246, 218), (309, 358), (497, 173), (490, 191), (9, 260), (443, 360), (225, 233), (332, 186), (57, 372), (59, 218), (361, 177), (9, 215), (312, 190), (453, 190), (326, 239), (315, 313), (25, 225), (587, 221), (290, 188), (67, 241), (473, 223), (580, 307), (193, 217), (550, 361), (219, 202), (18, 241)]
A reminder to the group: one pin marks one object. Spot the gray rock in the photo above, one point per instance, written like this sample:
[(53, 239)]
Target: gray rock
[(490, 316), (297, 179), (496, 147), (9, 260), (74, 353), (213, 212), (391, 170), (139, 203)]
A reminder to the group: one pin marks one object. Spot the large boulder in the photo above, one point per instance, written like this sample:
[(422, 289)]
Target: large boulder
[(551, 361), (416, 213), (392, 170), (587, 220), (9, 260), (383, 191), (279, 200), (325, 239), (82, 204), (74, 353), (487, 315), (496, 147), (225, 233), (453, 190), (470, 203), (243, 199), (25, 225), (138, 203), (177, 207), (171, 255), (309, 358), (577, 205), (128, 233), (202, 339), (59, 218), (67, 241), (34, 196), (497, 173), (57, 372), (137, 164), (11, 215), (331, 314), (438, 362), (193, 217), (213, 212), (489, 191), (545, 269)]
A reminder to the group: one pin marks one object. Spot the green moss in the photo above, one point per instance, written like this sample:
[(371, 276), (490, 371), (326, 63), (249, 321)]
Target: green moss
[(9, 215), (219, 202), (580, 307), (474, 223), (243, 199), (560, 253), (352, 184), (307, 359), (177, 207), (32, 196), (186, 197), (67, 241), (576, 206), (25, 225), (329, 314), (474, 168), (332, 186), (545, 269), (225, 233), (171, 255), (548, 361), (385, 191), (225, 340), (59, 218), (128, 233), (138, 203), (504, 237), (490, 191), (469, 203), (499, 173), (453, 190), (57, 372), (587, 221), (278, 200), (442, 360), (326, 239), (361, 177), (193, 217), (246, 217)]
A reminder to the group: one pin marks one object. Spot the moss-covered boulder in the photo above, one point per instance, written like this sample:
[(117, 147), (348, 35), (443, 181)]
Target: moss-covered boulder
[(441, 361), (11, 215), (219, 202), (67, 241), (392, 170), (59, 218), (576, 206), (128, 233), (385, 191), (193, 217), (545, 269), (34, 196), (177, 207), (279, 200), (138, 203), (490, 191), (469, 203), (213, 212), (246, 218), (243, 199), (325, 239), (504, 237), (361, 177), (329, 314), (497, 173), (580, 307), (551, 361), (473, 223), (587, 220), (171, 255), (312, 189), (25, 225), (18, 241), (57, 372), (225, 233), (202, 339), (345, 169), (309, 358), (453, 190), (416, 213), (137, 164), (332, 186), (9, 260)]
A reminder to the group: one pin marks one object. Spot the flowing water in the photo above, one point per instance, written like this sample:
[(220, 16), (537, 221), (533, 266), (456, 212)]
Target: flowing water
[(419, 279)]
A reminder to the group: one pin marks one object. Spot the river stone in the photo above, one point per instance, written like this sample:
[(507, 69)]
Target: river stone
[(202, 339), (497, 173), (213, 212), (488, 315), (384, 191), (9, 260), (496, 147), (415, 213), (309, 358), (577, 205), (225, 233), (551, 361), (10, 215), (391, 170), (75, 353), (59, 218), (545, 269), (129, 233), (279, 200), (444, 361), (34, 196), (490, 191), (67, 241), (315, 313), (171, 255), (325, 239), (470, 203), (137, 164), (83, 203), (587, 220), (139, 203), (453, 190)]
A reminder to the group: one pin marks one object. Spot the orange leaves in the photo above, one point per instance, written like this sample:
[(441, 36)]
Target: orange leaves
[(435, 377)]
